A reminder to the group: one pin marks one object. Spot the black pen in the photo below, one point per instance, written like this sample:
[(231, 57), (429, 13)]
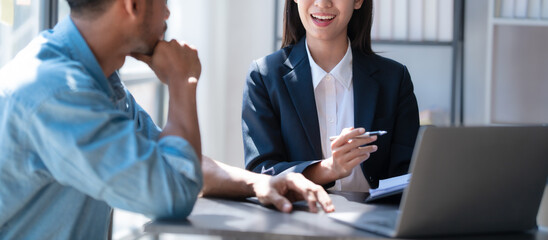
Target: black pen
[(365, 135)]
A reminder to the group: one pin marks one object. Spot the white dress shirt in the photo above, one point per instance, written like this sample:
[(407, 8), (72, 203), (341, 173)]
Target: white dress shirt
[(334, 96)]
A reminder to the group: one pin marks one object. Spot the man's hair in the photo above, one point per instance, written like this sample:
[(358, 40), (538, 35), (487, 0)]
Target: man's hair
[(359, 27), (89, 7)]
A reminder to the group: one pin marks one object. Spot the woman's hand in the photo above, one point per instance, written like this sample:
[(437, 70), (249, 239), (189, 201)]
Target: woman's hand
[(347, 152)]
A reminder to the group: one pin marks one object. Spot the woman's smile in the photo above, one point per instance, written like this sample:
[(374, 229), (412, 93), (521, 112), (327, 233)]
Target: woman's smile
[(322, 19)]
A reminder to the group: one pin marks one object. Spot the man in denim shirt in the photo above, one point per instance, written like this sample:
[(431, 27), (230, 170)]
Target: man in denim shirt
[(75, 143)]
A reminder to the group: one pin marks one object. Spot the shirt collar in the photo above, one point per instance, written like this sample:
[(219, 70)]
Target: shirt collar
[(342, 72), (78, 49)]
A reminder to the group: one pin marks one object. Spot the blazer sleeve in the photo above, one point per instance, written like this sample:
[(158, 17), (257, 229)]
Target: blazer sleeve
[(264, 146), (405, 129)]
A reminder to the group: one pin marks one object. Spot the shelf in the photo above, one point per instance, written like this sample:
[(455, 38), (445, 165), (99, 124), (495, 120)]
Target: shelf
[(415, 43), (403, 42), (520, 22), (515, 68)]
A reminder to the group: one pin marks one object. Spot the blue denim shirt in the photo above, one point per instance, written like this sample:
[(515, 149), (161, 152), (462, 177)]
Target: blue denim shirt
[(74, 143)]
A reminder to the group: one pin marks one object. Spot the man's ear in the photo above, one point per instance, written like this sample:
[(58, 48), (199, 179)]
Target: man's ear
[(133, 8)]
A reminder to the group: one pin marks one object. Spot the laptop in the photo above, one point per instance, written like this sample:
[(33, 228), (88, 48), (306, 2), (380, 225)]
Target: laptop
[(466, 180)]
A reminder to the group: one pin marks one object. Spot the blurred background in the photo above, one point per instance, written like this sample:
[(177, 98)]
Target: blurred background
[(472, 62)]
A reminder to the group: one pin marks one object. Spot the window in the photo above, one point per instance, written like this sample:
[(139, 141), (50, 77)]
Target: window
[(19, 24)]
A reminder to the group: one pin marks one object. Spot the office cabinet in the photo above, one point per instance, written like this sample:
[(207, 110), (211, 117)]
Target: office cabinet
[(506, 55)]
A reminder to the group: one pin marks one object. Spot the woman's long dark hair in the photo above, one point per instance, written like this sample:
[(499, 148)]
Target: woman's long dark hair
[(359, 27)]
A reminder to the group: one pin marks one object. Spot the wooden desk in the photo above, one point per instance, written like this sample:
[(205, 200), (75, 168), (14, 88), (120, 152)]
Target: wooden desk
[(245, 220)]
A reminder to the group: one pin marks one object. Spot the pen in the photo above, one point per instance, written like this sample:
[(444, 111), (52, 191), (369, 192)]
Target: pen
[(365, 135)]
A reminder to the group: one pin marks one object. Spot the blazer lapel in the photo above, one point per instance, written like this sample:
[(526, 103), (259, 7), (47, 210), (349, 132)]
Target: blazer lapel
[(301, 90), (366, 90)]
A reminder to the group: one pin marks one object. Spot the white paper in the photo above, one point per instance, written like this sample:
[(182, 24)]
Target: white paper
[(391, 185)]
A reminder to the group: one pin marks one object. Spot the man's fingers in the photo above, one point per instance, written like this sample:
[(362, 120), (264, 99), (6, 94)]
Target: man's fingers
[(310, 192), (312, 200), (280, 202), (325, 201), (142, 57)]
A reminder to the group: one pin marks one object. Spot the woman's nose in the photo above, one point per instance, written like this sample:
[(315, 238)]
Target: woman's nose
[(323, 3)]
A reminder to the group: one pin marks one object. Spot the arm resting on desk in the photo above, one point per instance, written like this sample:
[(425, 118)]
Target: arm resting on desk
[(221, 180)]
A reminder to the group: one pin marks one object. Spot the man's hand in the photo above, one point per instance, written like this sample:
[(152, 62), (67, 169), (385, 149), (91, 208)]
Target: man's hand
[(172, 61), (283, 189), (177, 65), (221, 180)]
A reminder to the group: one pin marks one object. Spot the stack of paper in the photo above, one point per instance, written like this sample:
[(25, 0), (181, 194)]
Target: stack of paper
[(389, 186)]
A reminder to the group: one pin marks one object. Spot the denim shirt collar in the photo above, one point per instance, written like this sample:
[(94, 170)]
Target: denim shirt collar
[(78, 49)]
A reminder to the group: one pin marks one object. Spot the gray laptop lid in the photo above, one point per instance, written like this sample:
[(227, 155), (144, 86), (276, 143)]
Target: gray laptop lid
[(470, 180)]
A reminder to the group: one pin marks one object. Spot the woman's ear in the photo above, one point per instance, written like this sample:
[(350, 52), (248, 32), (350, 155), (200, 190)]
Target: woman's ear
[(358, 3)]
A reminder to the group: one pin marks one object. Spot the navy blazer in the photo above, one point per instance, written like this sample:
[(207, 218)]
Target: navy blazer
[(280, 123)]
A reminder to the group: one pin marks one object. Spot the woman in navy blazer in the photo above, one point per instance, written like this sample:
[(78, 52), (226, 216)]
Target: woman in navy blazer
[(280, 124)]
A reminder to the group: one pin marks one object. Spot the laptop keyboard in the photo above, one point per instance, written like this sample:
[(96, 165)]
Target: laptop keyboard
[(381, 218)]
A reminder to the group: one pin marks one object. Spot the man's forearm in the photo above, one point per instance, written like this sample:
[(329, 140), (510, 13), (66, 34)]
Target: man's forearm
[(183, 118), (227, 181), (177, 65), (221, 180)]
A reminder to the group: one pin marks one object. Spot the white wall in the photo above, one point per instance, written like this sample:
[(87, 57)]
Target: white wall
[(228, 35)]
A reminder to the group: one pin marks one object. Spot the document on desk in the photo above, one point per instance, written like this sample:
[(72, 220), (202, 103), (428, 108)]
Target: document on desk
[(389, 187)]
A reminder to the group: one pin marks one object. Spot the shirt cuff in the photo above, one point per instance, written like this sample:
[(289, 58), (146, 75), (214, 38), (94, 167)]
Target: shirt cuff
[(181, 156)]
